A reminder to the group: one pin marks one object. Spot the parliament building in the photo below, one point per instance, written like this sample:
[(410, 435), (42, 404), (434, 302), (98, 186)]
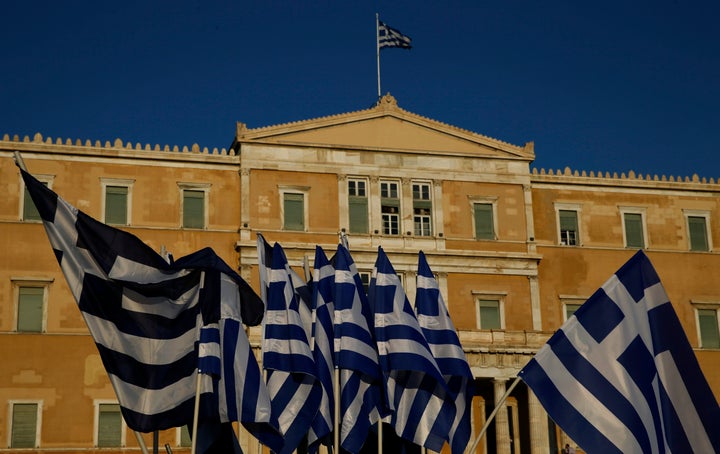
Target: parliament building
[(516, 250)]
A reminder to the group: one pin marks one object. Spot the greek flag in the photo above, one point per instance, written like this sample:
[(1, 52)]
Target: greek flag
[(389, 37), (146, 316), (422, 407), (620, 375), (355, 355), (444, 344), (291, 372), (323, 283)]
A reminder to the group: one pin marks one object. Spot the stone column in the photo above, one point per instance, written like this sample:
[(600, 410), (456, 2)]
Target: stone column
[(539, 441), (502, 427)]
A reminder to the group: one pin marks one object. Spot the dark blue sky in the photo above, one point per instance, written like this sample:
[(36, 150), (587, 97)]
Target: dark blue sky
[(607, 86)]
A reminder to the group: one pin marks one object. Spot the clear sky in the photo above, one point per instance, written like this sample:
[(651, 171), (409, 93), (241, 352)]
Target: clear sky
[(601, 86)]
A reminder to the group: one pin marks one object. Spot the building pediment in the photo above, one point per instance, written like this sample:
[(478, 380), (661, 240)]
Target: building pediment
[(384, 127)]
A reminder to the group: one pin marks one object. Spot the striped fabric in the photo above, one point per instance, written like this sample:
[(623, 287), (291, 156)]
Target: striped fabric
[(390, 37), (620, 375), (422, 407), (444, 344), (146, 315), (355, 356), (323, 283), (292, 382)]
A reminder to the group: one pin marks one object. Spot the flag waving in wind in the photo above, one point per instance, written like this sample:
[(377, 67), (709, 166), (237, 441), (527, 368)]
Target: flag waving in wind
[(146, 316), (620, 376), (423, 409), (390, 37), (445, 346)]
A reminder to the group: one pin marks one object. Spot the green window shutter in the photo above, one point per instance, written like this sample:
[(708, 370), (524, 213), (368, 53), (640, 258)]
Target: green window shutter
[(193, 209), (109, 425), (709, 335), (484, 229), (294, 211), (116, 204), (185, 439), (698, 233), (570, 310), (30, 309), (489, 314), (30, 211), (634, 230), (24, 425), (358, 207), (568, 220)]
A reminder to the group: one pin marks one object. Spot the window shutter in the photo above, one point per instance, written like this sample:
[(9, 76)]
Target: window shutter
[(633, 230), (24, 425), (294, 211), (358, 207), (30, 309), (109, 425), (489, 314), (568, 220), (484, 221), (709, 335), (698, 233), (30, 211), (116, 205), (193, 209)]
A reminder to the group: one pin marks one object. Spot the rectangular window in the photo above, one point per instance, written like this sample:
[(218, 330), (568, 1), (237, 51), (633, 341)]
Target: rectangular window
[(570, 310), (358, 206), (390, 207), (634, 237), (697, 231), (708, 326), (484, 223), (184, 437), (24, 425), (29, 210), (293, 211), (422, 209), (109, 426), (365, 278), (116, 205), (31, 309), (488, 314), (193, 209), (568, 227)]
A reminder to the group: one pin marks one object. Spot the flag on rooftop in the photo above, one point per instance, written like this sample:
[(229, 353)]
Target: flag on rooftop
[(323, 338), (620, 375), (444, 343), (146, 315), (355, 355), (291, 372), (422, 407), (390, 37)]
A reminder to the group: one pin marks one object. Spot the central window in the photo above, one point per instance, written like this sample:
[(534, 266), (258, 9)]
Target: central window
[(390, 207), (358, 205), (422, 209)]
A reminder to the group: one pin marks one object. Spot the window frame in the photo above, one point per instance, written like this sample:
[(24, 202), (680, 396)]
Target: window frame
[(708, 233), (354, 199), (500, 297), (706, 306), (19, 283), (195, 187), (571, 300), (38, 421), (97, 403), (643, 225), (120, 183), (577, 208), (43, 178), (492, 201), (305, 192), (423, 220), (390, 222)]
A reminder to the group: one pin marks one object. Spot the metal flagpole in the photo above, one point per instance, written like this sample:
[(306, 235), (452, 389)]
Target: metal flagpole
[(377, 48), (498, 406), (141, 442), (336, 386), (196, 413)]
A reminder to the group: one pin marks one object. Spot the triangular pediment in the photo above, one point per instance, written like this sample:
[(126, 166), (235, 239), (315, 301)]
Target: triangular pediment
[(385, 127)]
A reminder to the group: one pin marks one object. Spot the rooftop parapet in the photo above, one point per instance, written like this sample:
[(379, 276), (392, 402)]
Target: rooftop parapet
[(614, 178)]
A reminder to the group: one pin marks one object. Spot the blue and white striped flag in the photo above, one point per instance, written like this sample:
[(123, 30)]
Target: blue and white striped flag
[(355, 355), (292, 379), (146, 316), (439, 331), (620, 376), (390, 37), (323, 338), (423, 410)]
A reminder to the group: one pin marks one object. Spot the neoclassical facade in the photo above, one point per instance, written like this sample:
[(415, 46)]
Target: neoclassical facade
[(515, 249)]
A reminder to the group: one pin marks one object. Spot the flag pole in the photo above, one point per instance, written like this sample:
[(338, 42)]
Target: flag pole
[(377, 49), (500, 404), (140, 440), (336, 423), (196, 413), (19, 161)]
